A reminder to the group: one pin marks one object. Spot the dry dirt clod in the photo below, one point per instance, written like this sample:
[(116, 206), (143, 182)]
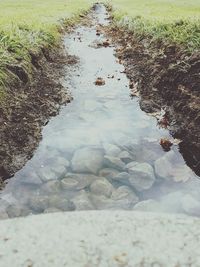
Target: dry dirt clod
[(106, 43), (98, 32), (134, 89), (166, 144), (134, 93), (100, 81)]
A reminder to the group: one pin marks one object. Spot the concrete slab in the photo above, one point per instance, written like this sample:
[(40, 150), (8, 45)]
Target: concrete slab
[(100, 238)]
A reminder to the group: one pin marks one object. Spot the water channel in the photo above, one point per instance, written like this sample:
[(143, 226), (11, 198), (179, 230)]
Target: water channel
[(101, 151)]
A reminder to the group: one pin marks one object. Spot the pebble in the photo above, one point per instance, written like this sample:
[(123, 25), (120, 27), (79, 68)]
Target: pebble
[(69, 184), (108, 173), (102, 202), (141, 176), (124, 197), (50, 187), (46, 174), (122, 177), (84, 180), (88, 160), (39, 203), (125, 156), (114, 162), (163, 166), (61, 203), (130, 165), (62, 162), (171, 167), (111, 150), (13, 211), (82, 202), (59, 170), (102, 187)]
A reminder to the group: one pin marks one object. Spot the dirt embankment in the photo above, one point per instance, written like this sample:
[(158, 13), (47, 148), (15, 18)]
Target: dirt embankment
[(30, 101), (166, 77)]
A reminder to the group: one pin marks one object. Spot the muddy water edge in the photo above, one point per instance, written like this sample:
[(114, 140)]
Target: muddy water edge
[(102, 151), (167, 76), (31, 98)]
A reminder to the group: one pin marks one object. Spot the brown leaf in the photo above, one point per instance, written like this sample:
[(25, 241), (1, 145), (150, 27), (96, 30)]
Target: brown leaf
[(166, 144), (100, 81)]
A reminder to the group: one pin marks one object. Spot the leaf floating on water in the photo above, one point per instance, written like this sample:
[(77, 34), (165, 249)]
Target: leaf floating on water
[(100, 81), (166, 144)]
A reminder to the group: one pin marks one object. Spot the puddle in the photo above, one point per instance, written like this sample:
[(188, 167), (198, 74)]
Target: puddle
[(101, 151)]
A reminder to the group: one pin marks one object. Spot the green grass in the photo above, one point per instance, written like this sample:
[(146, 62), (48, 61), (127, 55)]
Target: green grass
[(174, 20), (39, 14), (28, 25)]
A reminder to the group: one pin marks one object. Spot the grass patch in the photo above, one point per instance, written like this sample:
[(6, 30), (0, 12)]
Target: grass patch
[(177, 21), (28, 25)]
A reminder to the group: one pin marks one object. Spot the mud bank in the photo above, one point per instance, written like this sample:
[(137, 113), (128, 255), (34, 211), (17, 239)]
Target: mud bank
[(166, 77), (29, 102)]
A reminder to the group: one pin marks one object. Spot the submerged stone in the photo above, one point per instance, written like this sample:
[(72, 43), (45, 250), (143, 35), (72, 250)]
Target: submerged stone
[(47, 174), (172, 168), (124, 197), (87, 160), (82, 201), (51, 187), (141, 176), (83, 180), (108, 173), (114, 162), (111, 150), (13, 211), (39, 203), (101, 202), (122, 177), (69, 184), (61, 203), (102, 187), (125, 156)]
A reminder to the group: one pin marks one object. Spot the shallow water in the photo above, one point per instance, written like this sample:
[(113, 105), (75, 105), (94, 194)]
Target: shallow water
[(101, 151)]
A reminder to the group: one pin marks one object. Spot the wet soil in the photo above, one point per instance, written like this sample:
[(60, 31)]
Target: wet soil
[(29, 103), (166, 77)]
